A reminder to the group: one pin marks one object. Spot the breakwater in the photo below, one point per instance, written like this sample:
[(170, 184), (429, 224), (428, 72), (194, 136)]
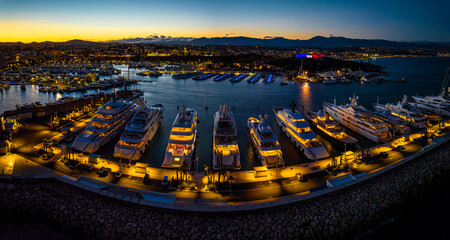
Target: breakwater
[(343, 214)]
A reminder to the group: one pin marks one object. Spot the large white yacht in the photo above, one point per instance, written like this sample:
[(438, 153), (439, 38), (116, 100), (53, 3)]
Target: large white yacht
[(360, 120), (225, 143), (330, 129), (297, 129), (408, 112), (180, 148), (138, 133), (395, 123), (110, 119), (265, 141), (442, 99), (433, 108)]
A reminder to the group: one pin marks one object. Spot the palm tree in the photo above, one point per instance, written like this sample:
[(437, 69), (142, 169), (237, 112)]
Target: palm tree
[(207, 171), (184, 171), (66, 152)]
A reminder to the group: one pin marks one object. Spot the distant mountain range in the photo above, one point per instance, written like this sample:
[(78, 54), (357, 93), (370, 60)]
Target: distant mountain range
[(315, 42), (318, 42)]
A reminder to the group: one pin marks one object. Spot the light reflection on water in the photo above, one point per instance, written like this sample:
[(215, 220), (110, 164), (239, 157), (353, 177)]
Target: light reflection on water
[(250, 100)]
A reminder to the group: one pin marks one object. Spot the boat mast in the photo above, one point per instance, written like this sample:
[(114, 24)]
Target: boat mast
[(445, 83)]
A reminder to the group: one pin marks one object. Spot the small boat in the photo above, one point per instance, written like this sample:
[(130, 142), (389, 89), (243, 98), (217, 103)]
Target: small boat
[(284, 81), (344, 80), (266, 143), (330, 80), (364, 80), (225, 143), (23, 85)]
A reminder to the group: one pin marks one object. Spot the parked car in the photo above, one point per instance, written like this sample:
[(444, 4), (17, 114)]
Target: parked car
[(165, 181), (384, 154), (101, 171), (300, 177), (89, 167), (118, 175)]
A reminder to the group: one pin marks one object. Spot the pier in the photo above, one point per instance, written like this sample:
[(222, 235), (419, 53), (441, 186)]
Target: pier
[(64, 107)]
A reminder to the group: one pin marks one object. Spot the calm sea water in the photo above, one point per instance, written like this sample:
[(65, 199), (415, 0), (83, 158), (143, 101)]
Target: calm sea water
[(424, 76)]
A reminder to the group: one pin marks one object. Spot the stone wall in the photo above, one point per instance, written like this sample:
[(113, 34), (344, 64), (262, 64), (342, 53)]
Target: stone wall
[(344, 214)]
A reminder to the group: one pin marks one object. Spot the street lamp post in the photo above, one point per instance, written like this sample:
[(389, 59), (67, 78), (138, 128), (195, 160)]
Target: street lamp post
[(196, 171)]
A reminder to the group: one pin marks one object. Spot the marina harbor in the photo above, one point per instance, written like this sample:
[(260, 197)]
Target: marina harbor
[(132, 137)]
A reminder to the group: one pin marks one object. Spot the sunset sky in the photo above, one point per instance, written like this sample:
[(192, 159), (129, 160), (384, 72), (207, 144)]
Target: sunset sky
[(27, 21)]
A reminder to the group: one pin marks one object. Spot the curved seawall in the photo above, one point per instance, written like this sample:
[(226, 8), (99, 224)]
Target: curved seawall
[(337, 214)]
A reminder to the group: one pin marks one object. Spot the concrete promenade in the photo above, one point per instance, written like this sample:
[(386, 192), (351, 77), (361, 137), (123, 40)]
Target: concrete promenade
[(277, 188)]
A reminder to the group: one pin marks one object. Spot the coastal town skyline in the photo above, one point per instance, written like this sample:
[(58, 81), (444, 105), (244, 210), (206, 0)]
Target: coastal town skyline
[(29, 21)]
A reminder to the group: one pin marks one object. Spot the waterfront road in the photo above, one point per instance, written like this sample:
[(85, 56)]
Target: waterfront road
[(245, 190)]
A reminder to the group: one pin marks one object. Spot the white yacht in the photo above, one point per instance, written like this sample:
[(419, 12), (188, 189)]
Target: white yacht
[(297, 129), (330, 129), (225, 143), (360, 120), (330, 80), (433, 108), (106, 124), (408, 112), (442, 99), (395, 123), (266, 143), (180, 148), (138, 133)]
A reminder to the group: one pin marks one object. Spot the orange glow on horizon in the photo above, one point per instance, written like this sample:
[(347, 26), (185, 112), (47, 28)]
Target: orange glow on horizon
[(25, 31)]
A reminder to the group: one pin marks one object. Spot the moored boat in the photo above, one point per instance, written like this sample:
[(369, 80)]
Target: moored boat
[(180, 148), (23, 85), (297, 129), (395, 123), (110, 120), (405, 110), (360, 120), (226, 153), (265, 142), (330, 129), (138, 133)]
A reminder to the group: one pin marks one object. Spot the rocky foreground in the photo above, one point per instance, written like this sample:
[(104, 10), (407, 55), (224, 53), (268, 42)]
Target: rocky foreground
[(346, 214)]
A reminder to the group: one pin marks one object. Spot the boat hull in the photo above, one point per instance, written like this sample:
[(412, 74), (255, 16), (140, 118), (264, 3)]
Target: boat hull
[(353, 127), (330, 138), (311, 154), (265, 161), (134, 154)]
